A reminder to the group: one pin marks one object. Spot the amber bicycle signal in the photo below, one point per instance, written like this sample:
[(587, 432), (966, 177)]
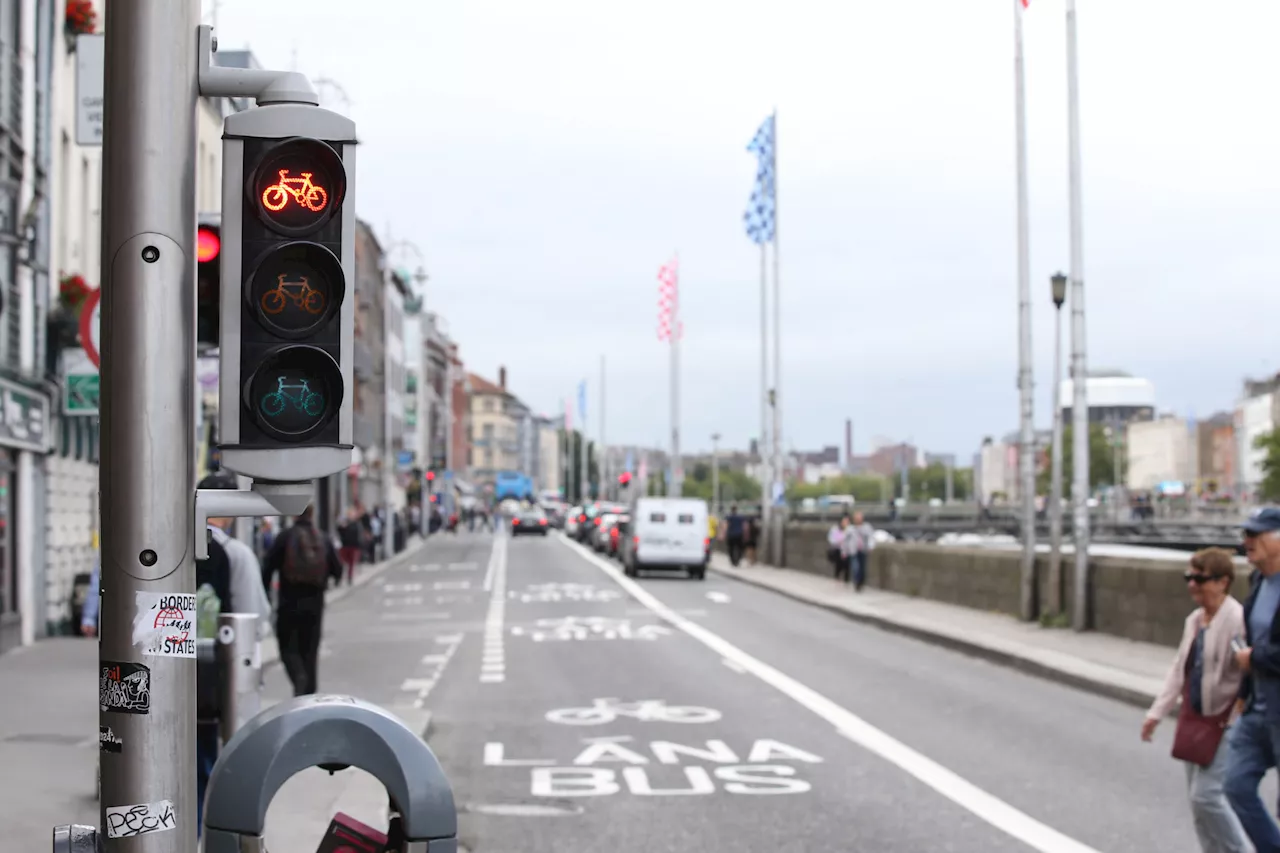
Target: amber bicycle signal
[(301, 190), (301, 292)]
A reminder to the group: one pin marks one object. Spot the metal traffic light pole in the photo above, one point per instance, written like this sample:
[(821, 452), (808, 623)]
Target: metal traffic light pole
[(158, 63)]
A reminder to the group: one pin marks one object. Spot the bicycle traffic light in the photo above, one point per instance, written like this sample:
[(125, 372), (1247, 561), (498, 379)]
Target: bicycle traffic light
[(288, 301), (208, 275)]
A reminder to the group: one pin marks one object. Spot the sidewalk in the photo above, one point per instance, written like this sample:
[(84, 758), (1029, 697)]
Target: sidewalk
[(49, 726), (1123, 669)]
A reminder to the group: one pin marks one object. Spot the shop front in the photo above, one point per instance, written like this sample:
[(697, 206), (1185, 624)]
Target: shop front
[(24, 438)]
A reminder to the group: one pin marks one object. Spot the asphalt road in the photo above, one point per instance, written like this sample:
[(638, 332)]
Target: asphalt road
[(767, 725)]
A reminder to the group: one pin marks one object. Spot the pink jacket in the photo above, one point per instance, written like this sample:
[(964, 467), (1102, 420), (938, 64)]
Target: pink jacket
[(1221, 682)]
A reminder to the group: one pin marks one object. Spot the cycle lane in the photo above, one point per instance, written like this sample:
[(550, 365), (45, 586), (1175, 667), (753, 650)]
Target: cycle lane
[(743, 767)]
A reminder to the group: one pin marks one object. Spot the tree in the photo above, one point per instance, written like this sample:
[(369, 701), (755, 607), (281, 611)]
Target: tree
[(1269, 443), (1102, 468), (931, 482), (734, 485)]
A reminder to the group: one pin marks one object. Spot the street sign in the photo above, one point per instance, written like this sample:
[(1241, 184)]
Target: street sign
[(90, 326), (90, 58), (81, 383)]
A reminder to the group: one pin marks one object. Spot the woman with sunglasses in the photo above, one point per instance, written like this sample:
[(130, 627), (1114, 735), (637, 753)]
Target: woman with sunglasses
[(1206, 676)]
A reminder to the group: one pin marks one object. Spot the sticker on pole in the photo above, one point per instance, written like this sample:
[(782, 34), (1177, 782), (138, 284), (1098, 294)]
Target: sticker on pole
[(164, 625), (142, 819), (124, 687)]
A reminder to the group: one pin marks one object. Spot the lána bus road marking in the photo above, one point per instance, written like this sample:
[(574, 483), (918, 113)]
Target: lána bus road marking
[(959, 790)]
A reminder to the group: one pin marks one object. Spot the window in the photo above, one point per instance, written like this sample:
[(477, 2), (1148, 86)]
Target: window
[(686, 519), (658, 517)]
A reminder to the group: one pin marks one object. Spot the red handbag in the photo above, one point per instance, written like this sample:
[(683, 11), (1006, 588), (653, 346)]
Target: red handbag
[(1197, 736)]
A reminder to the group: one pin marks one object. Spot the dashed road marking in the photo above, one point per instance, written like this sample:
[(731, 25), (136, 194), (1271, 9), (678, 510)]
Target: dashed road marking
[(493, 668)]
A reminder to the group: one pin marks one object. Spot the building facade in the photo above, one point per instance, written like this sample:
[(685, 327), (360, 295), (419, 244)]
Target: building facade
[(497, 428), (1160, 451)]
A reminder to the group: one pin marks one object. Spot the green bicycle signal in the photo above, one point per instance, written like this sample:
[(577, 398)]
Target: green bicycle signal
[(299, 395)]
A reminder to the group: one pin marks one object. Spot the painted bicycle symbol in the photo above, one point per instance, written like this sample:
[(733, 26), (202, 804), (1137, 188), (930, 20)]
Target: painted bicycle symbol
[(300, 395), (301, 292), (305, 193), (646, 711)]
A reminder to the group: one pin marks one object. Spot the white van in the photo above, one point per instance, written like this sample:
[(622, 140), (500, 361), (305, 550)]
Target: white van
[(668, 533)]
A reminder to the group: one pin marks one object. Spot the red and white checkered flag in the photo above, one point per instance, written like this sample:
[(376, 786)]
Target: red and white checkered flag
[(668, 299)]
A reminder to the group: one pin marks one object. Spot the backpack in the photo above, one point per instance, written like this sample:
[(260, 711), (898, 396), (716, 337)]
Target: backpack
[(306, 560)]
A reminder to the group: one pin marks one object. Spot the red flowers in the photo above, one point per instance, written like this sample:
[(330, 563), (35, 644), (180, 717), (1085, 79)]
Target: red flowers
[(81, 17), (72, 291)]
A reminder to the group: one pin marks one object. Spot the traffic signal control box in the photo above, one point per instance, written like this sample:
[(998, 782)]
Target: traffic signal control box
[(287, 293)]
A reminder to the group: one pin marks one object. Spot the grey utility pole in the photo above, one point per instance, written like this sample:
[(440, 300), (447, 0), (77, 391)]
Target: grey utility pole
[(389, 462), (1058, 283), (147, 694), (1079, 362)]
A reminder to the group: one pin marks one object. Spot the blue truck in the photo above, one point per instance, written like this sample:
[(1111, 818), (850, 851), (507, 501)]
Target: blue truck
[(514, 485)]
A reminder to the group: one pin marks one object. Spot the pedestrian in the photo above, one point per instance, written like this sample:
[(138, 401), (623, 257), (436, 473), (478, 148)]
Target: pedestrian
[(1207, 677), (850, 542), (735, 532), (835, 541), (305, 561), (350, 534), (866, 543), (1255, 738)]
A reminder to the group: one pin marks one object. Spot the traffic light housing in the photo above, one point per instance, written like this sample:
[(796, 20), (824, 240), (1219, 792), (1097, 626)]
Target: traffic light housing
[(287, 292), (208, 277)]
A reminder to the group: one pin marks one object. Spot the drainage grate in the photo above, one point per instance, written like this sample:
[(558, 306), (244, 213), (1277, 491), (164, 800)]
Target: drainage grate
[(46, 738), (539, 809)]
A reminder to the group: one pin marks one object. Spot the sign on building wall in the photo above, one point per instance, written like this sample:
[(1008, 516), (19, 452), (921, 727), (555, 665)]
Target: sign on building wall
[(80, 388), (24, 418), (90, 58)]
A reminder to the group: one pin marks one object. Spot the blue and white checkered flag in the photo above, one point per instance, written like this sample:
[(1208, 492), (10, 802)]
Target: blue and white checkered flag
[(759, 216)]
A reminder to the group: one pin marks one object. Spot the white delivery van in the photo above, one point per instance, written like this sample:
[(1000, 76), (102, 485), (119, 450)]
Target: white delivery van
[(668, 533)]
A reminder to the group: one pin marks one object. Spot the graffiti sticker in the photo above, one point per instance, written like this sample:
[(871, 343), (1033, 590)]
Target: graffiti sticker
[(164, 624), (107, 740), (124, 687), (142, 819)]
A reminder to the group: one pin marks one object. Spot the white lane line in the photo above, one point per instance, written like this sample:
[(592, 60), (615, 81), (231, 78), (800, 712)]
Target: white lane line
[(949, 784), (493, 667), (719, 597), (734, 665)]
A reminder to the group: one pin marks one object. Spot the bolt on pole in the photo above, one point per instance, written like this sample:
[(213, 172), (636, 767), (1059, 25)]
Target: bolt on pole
[(147, 679)]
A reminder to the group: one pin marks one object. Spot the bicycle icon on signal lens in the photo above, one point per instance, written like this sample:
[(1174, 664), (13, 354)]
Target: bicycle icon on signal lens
[(300, 395), (301, 292), (305, 193)]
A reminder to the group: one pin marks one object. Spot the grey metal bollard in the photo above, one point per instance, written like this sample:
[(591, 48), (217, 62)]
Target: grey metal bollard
[(239, 656), (332, 732)]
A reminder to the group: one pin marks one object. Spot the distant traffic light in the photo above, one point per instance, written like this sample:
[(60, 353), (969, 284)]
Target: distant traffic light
[(208, 274), (624, 478), (288, 308), (431, 475)]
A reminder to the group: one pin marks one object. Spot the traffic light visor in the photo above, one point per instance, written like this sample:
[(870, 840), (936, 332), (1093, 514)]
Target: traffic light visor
[(208, 245), (295, 392), (297, 186)]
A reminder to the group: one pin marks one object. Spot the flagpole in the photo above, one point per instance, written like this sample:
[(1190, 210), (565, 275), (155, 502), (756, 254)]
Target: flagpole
[(673, 482), (584, 476), (779, 470), (604, 453), (566, 451), (1026, 441), (1079, 372), (764, 391)]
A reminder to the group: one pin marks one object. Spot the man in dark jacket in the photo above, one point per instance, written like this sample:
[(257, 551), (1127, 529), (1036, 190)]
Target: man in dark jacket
[(1255, 738), (306, 562)]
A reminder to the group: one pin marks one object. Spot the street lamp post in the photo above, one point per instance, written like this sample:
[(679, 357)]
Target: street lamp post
[(715, 474), (1058, 284)]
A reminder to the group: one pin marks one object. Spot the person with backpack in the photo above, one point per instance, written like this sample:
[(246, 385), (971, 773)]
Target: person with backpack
[(230, 581), (306, 562)]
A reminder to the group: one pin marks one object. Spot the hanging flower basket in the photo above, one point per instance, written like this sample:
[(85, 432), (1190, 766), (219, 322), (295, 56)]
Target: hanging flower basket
[(73, 290), (81, 18)]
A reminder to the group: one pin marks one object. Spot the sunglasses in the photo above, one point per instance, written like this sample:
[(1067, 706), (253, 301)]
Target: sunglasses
[(1196, 577)]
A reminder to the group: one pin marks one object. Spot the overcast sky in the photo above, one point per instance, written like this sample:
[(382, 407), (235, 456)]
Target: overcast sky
[(548, 157)]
